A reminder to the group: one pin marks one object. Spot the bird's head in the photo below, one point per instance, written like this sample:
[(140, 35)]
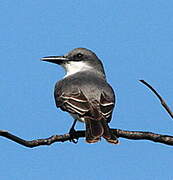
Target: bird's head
[(79, 59)]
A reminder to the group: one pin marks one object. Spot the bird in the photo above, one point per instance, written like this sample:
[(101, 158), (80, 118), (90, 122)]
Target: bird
[(85, 93)]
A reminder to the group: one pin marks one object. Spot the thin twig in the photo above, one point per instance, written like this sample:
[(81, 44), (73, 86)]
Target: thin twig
[(159, 97), (133, 135)]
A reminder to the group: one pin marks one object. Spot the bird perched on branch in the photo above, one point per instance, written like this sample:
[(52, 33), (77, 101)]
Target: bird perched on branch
[(85, 93)]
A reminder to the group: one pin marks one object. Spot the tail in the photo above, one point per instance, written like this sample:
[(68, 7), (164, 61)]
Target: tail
[(95, 129)]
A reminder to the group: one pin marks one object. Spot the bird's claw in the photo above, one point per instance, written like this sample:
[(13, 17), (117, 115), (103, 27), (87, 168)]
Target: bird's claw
[(75, 141), (72, 134)]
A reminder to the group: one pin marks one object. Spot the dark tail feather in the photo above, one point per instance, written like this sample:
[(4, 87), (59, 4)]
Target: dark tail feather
[(97, 128), (94, 130), (108, 135)]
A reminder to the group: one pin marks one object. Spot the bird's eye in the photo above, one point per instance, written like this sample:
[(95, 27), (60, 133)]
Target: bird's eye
[(79, 55)]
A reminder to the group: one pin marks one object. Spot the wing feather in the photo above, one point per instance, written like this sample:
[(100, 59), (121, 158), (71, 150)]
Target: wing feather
[(106, 106), (75, 103)]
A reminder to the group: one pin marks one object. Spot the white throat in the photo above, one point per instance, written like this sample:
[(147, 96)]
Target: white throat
[(73, 67)]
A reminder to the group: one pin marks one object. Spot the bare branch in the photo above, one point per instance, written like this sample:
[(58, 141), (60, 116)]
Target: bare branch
[(159, 97), (143, 135), (133, 135)]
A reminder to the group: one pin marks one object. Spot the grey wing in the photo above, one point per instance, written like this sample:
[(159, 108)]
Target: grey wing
[(74, 102), (106, 106)]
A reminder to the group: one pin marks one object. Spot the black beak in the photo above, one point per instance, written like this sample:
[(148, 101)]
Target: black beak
[(55, 59)]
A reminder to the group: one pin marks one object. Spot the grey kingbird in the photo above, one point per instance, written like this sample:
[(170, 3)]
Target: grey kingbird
[(85, 93)]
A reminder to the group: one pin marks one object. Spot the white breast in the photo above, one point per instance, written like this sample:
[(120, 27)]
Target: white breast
[(73, 67)]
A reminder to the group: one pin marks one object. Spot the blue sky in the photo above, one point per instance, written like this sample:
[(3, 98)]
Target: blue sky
[(134, 39)]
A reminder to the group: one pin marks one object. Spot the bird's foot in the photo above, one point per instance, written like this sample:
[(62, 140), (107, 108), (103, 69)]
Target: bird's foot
[(72, 136)]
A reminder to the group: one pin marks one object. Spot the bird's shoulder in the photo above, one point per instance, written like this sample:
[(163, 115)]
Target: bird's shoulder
[(90, 84)]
